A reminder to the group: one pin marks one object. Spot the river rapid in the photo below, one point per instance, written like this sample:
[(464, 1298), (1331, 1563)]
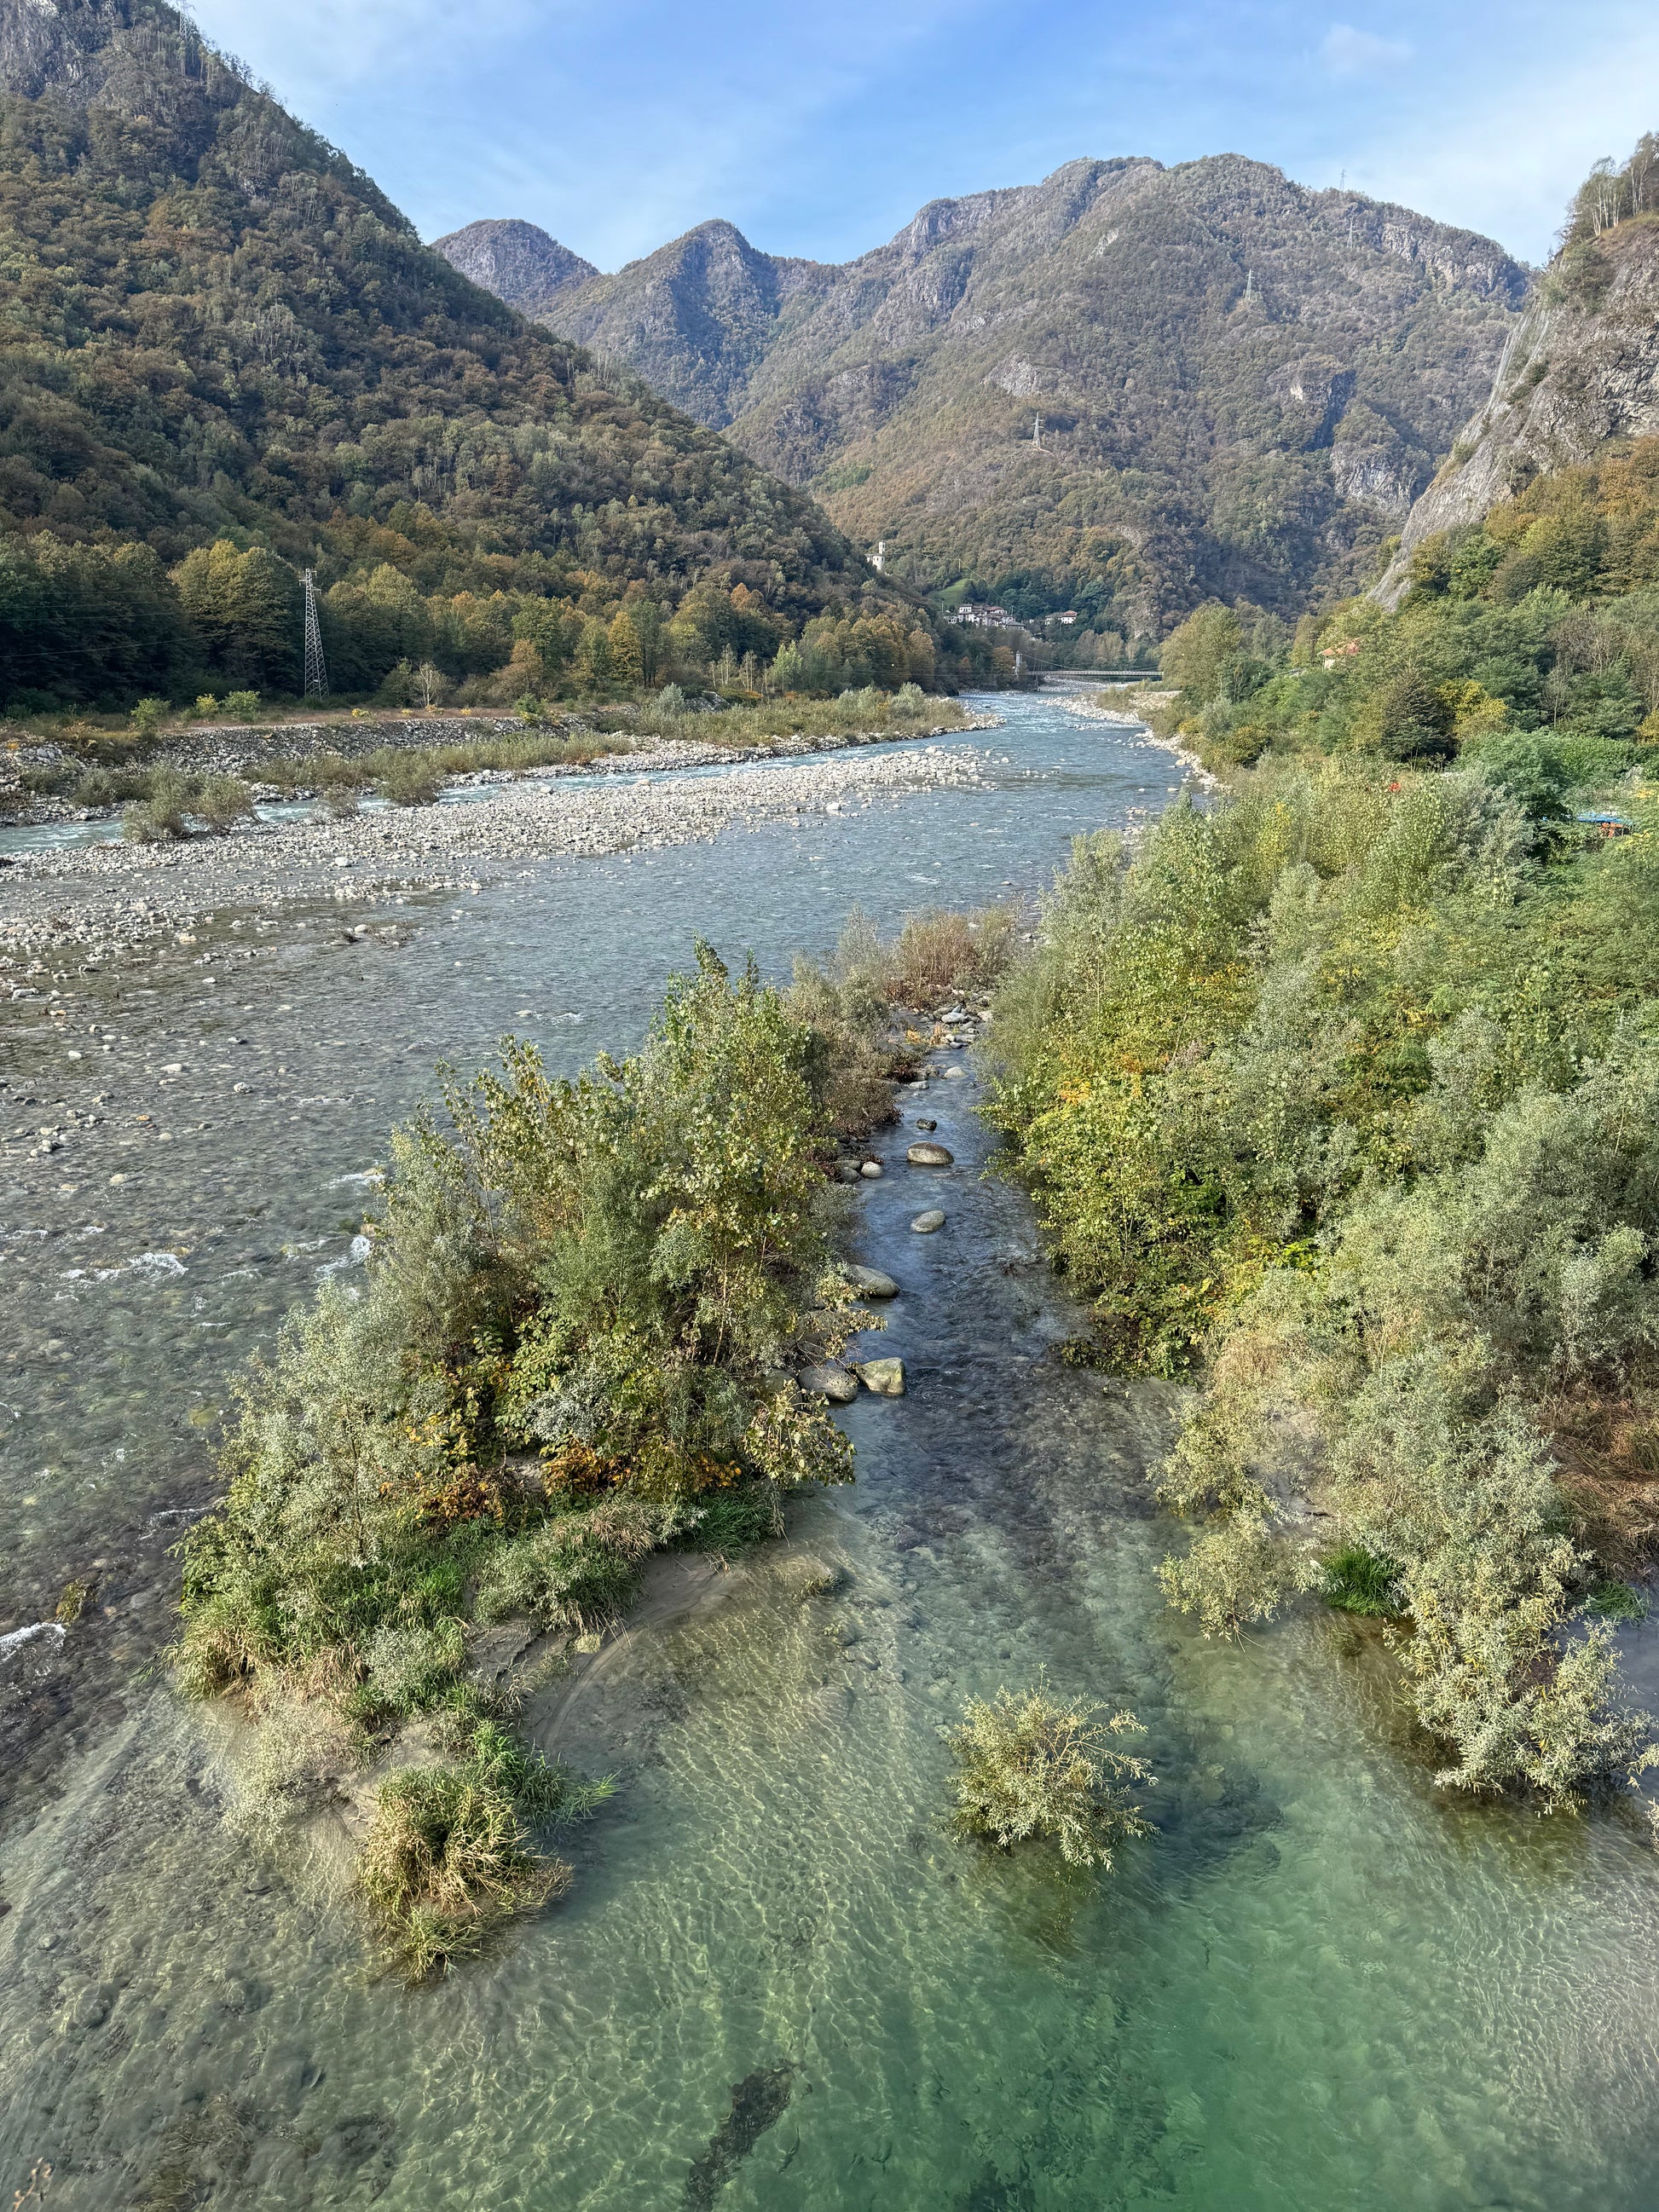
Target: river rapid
[(775, 1982)]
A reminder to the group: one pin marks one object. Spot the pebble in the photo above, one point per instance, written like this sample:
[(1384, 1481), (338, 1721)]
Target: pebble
[(926, 1224), (872, 1169), (870, 1282), (830, 1381), (884, 1377), (930, 1156)]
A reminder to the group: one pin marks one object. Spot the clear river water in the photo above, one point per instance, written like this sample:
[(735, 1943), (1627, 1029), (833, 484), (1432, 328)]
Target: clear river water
[(775, 1982)]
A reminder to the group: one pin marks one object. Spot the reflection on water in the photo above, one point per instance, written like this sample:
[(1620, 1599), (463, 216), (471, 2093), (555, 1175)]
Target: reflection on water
[(777, 1983)]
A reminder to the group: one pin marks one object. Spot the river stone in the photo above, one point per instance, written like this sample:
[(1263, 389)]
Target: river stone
[(925, 1122), (871, 1168), (930, 1156), (884, 1377), (955, 1074), (870, 1282), (926, 1224), (829, 1382)]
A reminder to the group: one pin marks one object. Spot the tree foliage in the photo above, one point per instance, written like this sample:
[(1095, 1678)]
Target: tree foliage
[(224, 356), (1346, 1092), (1542, 621)]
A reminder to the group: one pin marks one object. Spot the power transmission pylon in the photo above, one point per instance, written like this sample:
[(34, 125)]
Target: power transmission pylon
[(316, 666)]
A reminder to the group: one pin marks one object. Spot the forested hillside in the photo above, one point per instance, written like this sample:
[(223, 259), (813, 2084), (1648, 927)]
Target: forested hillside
[(225, 357), (1241, 385)]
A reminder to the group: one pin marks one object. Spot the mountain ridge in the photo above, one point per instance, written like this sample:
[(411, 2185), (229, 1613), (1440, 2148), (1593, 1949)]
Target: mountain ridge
[(1189, 335), (1579, 372)]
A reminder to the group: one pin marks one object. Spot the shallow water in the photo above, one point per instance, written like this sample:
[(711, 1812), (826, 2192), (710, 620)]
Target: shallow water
[(1318, 1986)]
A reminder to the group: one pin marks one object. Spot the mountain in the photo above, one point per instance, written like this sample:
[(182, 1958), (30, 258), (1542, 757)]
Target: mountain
[(517, 262), (699, 319), (1581, 368), (1242, 384), (217, 335)]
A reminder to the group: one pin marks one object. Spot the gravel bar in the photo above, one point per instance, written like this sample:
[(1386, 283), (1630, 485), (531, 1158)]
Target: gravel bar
[(106, 896)]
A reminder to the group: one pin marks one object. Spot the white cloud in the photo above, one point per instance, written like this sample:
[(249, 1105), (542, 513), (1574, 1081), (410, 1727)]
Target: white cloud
[(1510, 166), (1347, 53)]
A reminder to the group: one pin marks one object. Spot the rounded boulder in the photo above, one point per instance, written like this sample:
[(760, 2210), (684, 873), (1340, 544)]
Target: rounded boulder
[(830, 1382)]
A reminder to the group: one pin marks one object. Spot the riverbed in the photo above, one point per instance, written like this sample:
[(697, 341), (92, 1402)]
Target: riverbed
[(775, 1982)]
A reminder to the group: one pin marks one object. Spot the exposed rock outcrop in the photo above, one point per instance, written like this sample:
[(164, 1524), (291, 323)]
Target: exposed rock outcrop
[(1581, 367)]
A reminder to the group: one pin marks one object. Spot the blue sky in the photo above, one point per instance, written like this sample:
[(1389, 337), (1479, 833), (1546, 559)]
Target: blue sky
[(618, 123)]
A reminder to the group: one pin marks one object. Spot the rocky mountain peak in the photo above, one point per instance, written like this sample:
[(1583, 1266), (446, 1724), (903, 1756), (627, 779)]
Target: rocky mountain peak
[(516, 261)]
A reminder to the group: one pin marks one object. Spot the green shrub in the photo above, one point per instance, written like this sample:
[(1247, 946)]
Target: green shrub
[(148, 715), (1344, 1094), (222, 802), (1028, 1766), (241, 705), (159, 819), (565, 1353), (406, 778)]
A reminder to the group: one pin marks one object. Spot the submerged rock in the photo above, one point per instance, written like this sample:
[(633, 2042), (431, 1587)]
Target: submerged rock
[(925, 1122), (930, 1156), (757, 2102), (926, 1224), (870, 1282), (829, 1381), (884, 1377)]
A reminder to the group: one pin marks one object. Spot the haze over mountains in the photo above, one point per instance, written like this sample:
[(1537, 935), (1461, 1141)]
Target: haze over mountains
[(1123, 388)]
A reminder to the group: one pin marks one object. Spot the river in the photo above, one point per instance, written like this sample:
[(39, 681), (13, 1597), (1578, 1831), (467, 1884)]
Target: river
[(775, 1982)]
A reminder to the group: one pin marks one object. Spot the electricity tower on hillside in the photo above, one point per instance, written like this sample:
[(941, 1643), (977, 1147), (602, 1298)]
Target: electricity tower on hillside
[(316, 666)]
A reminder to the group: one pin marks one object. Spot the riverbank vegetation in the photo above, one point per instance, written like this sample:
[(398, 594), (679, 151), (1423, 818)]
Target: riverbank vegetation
[(93, 767), (1339, 1098), (585, 1306), (1529, 641), (572, 1348)]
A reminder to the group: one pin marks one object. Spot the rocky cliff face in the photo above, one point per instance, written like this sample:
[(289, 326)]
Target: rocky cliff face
[(1582, 367), (516, 261), (1241, 385)]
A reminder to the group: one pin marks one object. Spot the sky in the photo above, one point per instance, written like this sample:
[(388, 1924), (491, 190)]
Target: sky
[(617, 124)]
